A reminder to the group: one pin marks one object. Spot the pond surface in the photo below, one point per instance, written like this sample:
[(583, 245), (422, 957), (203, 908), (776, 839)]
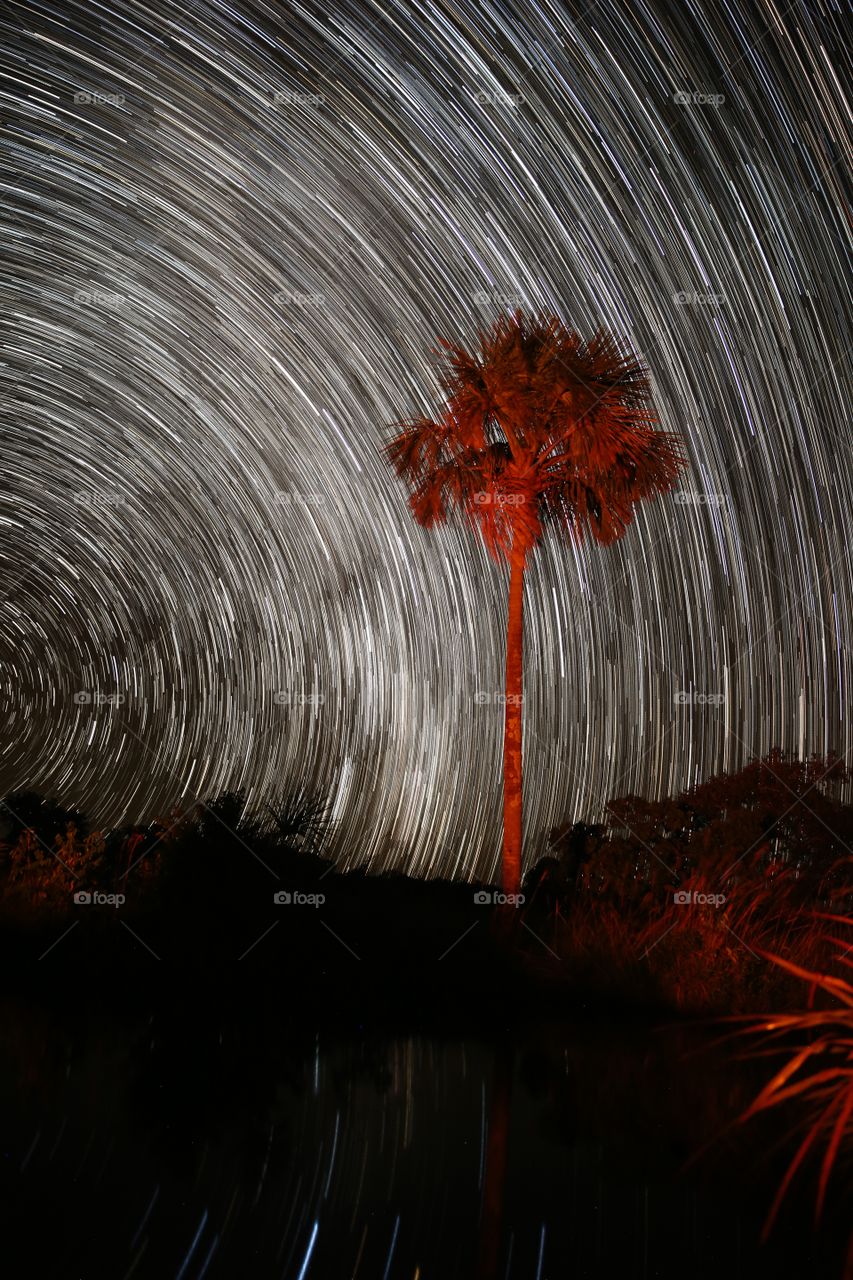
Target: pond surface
[(173, 1146)]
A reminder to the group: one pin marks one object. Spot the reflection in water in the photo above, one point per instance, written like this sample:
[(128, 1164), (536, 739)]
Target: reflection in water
[(497, 1155), (179, 1147)]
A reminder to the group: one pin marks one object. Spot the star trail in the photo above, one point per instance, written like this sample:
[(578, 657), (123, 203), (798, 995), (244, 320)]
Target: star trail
[(232, 234)]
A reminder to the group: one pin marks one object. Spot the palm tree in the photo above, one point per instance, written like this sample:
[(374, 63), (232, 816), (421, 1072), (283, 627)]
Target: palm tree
[(540, 428)]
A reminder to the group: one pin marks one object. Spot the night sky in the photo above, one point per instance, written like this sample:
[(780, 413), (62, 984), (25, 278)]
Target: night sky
[(232, 234)]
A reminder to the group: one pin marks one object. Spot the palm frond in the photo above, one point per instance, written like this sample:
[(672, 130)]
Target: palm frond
[(552, 429), (417, 449), (818, 1075)]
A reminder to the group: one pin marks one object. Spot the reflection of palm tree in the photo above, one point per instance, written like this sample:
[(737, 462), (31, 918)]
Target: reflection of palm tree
[(540, 428), (497, 1155)]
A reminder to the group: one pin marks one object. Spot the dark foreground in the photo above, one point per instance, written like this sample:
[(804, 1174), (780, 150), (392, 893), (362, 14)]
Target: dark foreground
[(317, 1110), (188, 1142), (260, 1069)]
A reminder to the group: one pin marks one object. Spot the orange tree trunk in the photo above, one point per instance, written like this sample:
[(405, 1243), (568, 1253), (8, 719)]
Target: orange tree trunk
[(511, 875)]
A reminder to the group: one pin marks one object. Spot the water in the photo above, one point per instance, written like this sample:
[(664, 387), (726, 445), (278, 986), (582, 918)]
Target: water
[(178, 1146)]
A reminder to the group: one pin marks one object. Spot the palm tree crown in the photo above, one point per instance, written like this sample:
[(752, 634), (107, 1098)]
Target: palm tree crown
[(540, 428)]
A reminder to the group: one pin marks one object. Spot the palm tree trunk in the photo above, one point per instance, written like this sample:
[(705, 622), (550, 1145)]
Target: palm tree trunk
[(511, 872)]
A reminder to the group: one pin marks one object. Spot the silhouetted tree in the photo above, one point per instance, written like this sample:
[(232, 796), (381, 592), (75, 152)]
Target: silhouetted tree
[(47, 818), (226, 857), (775, 815)]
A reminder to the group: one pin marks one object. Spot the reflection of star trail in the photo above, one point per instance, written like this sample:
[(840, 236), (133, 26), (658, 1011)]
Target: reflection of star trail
[(205, 1146), (234, 235)]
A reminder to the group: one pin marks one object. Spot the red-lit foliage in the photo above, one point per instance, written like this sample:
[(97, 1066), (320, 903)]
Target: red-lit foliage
[(680, 897), (814, 1085)]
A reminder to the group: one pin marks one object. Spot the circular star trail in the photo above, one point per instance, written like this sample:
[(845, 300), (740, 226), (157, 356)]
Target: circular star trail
[(232, 234)]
